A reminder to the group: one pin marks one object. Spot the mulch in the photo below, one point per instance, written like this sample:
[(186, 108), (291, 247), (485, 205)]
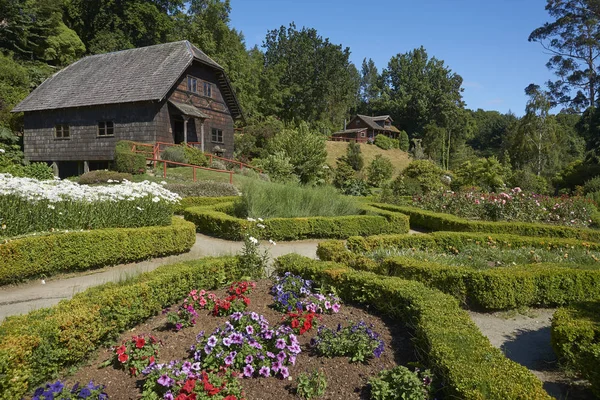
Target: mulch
[(345, 380)]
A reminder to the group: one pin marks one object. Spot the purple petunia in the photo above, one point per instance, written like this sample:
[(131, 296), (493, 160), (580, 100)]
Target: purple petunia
[(227, 342), (168, 396), (165, 380), (228, 360), (265, 371), (212, 341), (336, 308), (249, 329), (249, 359), (280, 344), (292, 359), (270, 355), (248, 371), (276, 366), (281, 356), (284, 372)]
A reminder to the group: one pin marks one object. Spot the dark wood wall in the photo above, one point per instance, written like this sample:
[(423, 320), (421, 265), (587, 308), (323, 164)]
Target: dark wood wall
[(132, 121)]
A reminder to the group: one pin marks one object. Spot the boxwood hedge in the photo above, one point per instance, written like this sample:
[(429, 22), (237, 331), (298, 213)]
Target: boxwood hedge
[(46, 255), (35, 347), (487, 289), (449, 342), (188, 202), (219, 221), (576, 340), (433, 221)]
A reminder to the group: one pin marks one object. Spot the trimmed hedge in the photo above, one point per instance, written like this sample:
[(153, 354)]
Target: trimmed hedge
[(576, 340), (496, 288), (36, 256), (449, 342), (35, 347), (218, 221), (126, 160), (433, 221), (188, 202)]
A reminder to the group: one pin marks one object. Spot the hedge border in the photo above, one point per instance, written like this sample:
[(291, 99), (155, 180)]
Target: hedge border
[(188, 202), (46, 255), (499, 288), (35, 347), (216, 221), (433, 221), (449, 342)]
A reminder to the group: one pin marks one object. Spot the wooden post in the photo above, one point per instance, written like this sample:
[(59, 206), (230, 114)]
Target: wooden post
[(194, 173), (164, 169), (202, 136), (185, 121), (231, 177)]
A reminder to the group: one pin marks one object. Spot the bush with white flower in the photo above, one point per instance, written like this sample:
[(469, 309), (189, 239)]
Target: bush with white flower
[(29, 205)]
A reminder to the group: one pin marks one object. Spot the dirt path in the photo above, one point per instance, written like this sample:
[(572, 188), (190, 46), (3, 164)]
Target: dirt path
[(526, 339), (32, 295)]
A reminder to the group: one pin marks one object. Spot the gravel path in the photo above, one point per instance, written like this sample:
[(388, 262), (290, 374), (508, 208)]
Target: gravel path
[(526, 339), (32, 295)]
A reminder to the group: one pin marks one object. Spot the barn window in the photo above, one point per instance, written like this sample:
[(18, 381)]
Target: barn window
[(363, 134), (106, 128), (217, 135), (207, 89), (192, 84), (61, 131)]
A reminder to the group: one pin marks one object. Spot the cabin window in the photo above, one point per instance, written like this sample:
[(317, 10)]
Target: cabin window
[(106, 128), (362, 134), (61, 131), (207, 89), (357, 122), (192, 84), (217, 135)]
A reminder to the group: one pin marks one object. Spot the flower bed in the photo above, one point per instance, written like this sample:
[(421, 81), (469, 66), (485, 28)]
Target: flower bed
[(435, 221), (49, 254), (513, 205), (219, 221), (576, 340), (492, 287), (28, 205), (249, 355), (449, 342)]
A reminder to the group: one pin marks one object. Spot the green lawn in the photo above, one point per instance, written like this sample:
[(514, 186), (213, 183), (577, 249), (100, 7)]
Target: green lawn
[(185, 175)]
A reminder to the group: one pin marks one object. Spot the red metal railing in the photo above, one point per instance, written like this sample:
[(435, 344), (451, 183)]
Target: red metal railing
[(348, 139), (239, 164)]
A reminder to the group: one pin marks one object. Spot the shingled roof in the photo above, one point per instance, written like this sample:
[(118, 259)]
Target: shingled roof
[(142, 74)]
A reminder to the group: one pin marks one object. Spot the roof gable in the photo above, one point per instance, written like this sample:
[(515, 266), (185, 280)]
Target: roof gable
[(372, 121), (142, 74)]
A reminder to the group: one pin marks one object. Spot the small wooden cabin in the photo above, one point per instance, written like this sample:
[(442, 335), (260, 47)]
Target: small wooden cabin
[(363, 128), (171, 93)]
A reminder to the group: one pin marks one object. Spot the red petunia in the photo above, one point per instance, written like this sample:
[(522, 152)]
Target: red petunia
[(152, 359), (121, 349), (246, 300), (189, 386), (295, 323), (230, 397), (140, 342), (123, 357), (307, 325)]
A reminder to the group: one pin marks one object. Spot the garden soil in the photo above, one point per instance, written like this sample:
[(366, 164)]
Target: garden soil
[(345, 380)]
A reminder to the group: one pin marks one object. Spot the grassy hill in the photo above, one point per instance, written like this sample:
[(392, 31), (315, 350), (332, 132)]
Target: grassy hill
[(400, 159)]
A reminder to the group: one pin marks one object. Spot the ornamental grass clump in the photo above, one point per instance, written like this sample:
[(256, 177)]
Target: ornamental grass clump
[(29, 205), (292, 292), (357, 341), (186, 381), (275, 200), (248, 345), (58, 390)]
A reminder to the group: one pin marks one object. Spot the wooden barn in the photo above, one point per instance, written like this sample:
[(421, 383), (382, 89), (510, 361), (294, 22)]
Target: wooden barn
[(362, 128), (171, 93)]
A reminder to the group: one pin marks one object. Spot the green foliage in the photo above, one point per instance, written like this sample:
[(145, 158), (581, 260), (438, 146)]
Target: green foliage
[(201, 201), (355, 341), (202, 189), (380, 170), (403, 141), (347, 181), (275, 200), (404, 186), (463, 358), (250, 259), (194, 156), (433, 221), (427, 173), (253, 141), (103, 176), (311, 385), (592, 185), (46, 255), (64, 46), (401, 384), (218, 221), (126, 160), (529, 182), (304, 149), (278, 166), (36, 346), (354, 156), (387, 143), (175, 154), (576, 174), (486, 173), (39, 171), (576, 340)]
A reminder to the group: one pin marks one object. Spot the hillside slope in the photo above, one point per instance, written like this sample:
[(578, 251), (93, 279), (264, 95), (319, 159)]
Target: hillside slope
[(400, 159)]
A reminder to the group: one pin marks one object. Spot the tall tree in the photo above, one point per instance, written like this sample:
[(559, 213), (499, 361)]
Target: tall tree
[(573, 39), (370, 83)]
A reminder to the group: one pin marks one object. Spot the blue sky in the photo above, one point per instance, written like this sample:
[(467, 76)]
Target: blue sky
[(483, 41)]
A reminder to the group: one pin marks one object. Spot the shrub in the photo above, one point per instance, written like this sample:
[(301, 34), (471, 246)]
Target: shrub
[(46, 255), (404, 142), (401, 384), (194, 156), (354, 156), (203, 189), (486, 173), (592, 185), (356, 341), (276, 200), (278, 166), (427, 174), (103, 176), (311, 386), (386, 143), (451, 344), (380, 170), (529, 182), (218, 164), (29, 205), (175, 154), (36, 346), (405, 186), (126, 160), (575, 338), (38, 171)]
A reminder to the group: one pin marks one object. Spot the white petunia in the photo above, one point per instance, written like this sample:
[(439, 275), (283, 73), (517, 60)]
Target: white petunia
[(272, 242)]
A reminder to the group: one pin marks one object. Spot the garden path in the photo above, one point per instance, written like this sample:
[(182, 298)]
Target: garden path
[(21, 299), (525, 339)]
